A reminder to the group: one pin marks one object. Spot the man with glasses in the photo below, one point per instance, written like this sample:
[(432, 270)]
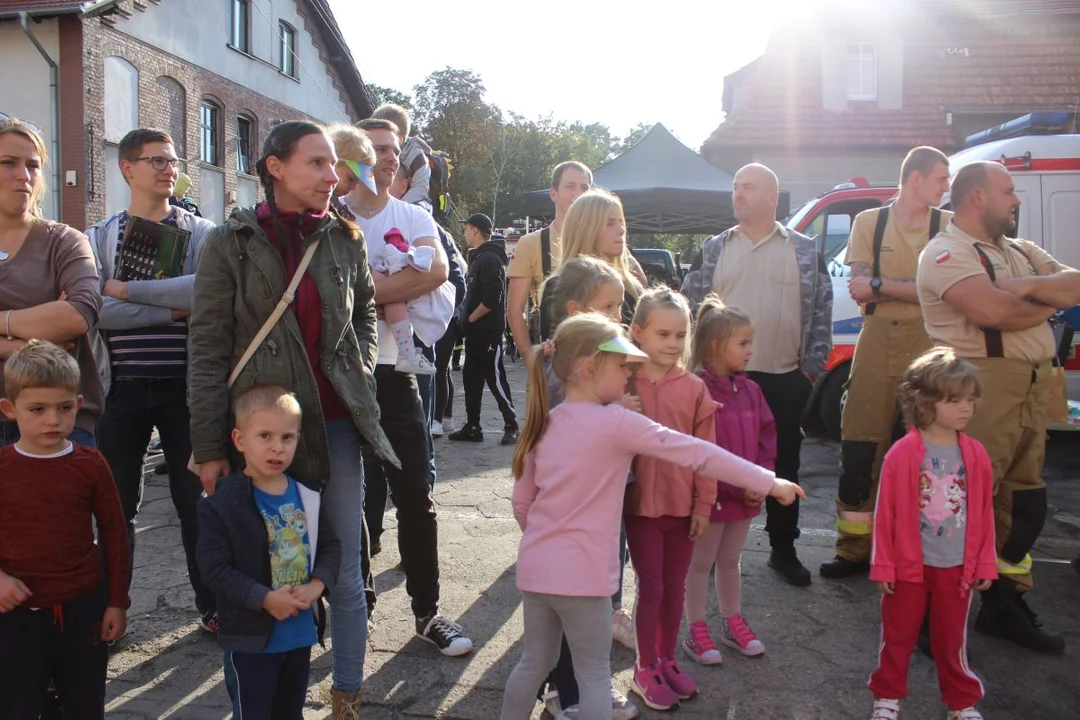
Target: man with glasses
[(141, 343)]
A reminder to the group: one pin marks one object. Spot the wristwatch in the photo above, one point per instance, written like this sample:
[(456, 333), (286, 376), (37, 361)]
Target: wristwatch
[(875, 285)]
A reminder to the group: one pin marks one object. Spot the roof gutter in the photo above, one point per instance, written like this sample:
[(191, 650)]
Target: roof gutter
[(54, 130)]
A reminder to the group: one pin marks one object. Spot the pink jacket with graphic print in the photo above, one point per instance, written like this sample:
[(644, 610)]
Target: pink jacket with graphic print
[(744, 427), (896, 553)]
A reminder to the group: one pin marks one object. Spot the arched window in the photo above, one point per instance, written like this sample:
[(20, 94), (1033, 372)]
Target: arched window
[(247, 141), (176, 107), (121, 98), (210, 135)]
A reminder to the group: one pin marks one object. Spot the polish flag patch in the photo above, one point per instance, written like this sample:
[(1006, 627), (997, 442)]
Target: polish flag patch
[(942, 257)]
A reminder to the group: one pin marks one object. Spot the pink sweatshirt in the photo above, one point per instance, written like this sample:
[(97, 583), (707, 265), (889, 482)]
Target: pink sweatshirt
[(679, 401), (569, 501), (896, 553)]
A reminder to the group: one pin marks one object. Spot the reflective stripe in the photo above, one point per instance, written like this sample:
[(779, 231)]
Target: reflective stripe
[(1005, 567), (854, 528)]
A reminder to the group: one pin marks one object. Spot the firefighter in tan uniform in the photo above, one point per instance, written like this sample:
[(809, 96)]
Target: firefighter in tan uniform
[(883, 252), (990, 298)]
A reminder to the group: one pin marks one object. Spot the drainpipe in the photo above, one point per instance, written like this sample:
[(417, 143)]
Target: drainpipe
[(54, 86)]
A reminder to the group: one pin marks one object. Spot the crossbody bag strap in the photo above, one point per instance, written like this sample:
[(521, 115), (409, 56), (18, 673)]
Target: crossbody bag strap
[(545, 251), (995, 348), (279, 310), (879, 240)]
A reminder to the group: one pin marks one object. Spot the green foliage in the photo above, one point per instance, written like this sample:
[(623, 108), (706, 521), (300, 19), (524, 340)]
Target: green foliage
[(685, 246), (382, 95)]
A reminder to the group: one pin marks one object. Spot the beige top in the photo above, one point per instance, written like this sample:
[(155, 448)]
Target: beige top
[(763, 281), (900, 248), (950, 258), (527, 264)]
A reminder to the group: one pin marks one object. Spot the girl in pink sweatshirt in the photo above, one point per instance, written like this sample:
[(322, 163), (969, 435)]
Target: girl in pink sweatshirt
[(571, 465), (933, 537), (723, 341), (668, 505)]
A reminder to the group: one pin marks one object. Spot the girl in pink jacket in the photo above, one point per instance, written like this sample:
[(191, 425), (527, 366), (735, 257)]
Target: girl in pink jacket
[(933, 537), (668, 505), (723, 341)]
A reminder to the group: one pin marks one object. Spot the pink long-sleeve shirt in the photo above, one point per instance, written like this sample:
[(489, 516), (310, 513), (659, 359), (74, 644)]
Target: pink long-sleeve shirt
[(569, 500), (896, 553)]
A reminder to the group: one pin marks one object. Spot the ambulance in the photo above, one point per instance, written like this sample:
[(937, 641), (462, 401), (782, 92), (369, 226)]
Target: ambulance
[(1046, 171)]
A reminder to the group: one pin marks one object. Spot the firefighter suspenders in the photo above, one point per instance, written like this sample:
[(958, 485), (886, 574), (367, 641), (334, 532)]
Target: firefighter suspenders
[(879, 239)]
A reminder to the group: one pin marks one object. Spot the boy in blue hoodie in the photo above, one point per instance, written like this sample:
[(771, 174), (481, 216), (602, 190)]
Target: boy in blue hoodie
[(268, 552)]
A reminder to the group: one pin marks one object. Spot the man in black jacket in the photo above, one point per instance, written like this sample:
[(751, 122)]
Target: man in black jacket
[(483, 325)]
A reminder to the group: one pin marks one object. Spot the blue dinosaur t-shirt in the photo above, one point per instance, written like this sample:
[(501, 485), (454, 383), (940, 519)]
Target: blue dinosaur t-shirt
[(290, 553)]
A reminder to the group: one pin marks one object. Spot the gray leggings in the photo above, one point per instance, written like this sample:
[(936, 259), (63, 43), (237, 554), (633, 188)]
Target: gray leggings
[(587, 623)]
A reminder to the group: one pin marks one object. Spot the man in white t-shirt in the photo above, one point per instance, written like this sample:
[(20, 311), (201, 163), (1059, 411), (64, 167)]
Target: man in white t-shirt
[(401, 413)]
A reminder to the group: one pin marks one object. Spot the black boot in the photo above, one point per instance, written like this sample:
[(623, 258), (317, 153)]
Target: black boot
[(840, 567), (468, 433), (1005, 614), (784, 561), (510, 434)]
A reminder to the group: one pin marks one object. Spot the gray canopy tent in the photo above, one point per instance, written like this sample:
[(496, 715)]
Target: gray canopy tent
[(665, 187)]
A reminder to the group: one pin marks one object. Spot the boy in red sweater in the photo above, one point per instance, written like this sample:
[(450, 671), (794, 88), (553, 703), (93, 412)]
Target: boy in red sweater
[(56, 614), (933, 537)]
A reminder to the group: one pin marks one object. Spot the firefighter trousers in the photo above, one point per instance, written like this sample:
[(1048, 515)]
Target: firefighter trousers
[(1010, 421), (870, 423)]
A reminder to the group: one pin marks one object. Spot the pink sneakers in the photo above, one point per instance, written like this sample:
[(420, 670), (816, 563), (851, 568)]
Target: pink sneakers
[(680, 683), (700, 646), (650, 684), (734, 632)]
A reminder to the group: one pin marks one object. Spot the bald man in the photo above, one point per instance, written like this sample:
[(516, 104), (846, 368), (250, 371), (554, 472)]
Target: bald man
[(778, 277), (989, 297)]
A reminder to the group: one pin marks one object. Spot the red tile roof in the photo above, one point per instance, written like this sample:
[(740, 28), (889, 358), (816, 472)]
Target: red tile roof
[(35, 5), (1012, 66)]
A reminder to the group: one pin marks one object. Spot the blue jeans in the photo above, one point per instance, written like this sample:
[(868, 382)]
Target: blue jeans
[(343, 500), (9, 435)]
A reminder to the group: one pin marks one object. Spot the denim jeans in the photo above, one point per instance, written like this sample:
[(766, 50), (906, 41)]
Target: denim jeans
[(133, 408), (405, 426), (343, 499)]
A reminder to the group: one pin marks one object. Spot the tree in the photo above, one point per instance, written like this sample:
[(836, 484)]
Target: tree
[(380, 95)]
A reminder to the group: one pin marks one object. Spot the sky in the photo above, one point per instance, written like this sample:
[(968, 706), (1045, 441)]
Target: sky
[(590, 60)]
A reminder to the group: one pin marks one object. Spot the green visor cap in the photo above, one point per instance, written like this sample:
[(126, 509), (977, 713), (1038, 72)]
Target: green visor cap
[(622, 346)]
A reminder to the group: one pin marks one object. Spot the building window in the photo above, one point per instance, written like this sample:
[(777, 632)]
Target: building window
[(240, 24), (288, 49), (209, 132), (245, 141), (862, 71)]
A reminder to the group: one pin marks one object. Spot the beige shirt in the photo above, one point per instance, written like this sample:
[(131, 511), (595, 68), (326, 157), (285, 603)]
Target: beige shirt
[(763, 281), (527, 264), (900, 248), (950, 258)]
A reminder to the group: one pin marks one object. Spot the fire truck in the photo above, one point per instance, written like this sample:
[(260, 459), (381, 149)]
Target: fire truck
[(1045, 165)]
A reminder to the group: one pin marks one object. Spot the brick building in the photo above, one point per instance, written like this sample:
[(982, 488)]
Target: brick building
[(850, 90), (217, 74)]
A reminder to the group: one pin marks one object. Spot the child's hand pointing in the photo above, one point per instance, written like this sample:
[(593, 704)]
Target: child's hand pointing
[(786, 492)]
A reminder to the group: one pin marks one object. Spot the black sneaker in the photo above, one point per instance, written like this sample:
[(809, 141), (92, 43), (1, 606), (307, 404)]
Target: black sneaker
[(839, 568), (1005, 614), (469, 433), (786, 562), (443, 634), (209, 622), (510, 435)]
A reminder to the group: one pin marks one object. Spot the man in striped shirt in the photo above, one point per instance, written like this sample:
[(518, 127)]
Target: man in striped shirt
[(142, 347)]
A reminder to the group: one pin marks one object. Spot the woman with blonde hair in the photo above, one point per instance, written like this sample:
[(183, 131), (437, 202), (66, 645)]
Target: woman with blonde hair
[(595, 227), (48, 278)]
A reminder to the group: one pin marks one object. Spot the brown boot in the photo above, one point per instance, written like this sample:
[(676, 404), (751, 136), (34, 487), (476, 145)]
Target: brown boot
[(346, 705)]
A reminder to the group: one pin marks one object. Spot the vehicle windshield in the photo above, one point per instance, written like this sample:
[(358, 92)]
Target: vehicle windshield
[(796, 217)]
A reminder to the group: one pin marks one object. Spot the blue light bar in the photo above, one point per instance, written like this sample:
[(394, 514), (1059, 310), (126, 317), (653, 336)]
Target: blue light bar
[(1040, 123)]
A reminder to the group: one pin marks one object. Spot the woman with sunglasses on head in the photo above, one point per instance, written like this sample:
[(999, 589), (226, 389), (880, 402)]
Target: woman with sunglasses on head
[(48, 279), (322, 349)]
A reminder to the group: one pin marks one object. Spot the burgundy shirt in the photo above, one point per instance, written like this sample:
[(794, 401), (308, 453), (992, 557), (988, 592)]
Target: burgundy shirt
[(47, 506), (307, 305)]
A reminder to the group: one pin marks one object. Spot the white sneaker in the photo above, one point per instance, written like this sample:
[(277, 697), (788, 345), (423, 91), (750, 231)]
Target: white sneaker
[(552, 704), (622, 629), (436, 429), (885, 709), (415, 364), (966, 714), (448, 424)]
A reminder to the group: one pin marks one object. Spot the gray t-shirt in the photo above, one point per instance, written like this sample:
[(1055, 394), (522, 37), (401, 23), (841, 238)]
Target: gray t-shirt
[(943, 506)]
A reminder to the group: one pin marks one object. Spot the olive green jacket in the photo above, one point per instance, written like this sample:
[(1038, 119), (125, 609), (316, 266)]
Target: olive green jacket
[(240, 278)]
